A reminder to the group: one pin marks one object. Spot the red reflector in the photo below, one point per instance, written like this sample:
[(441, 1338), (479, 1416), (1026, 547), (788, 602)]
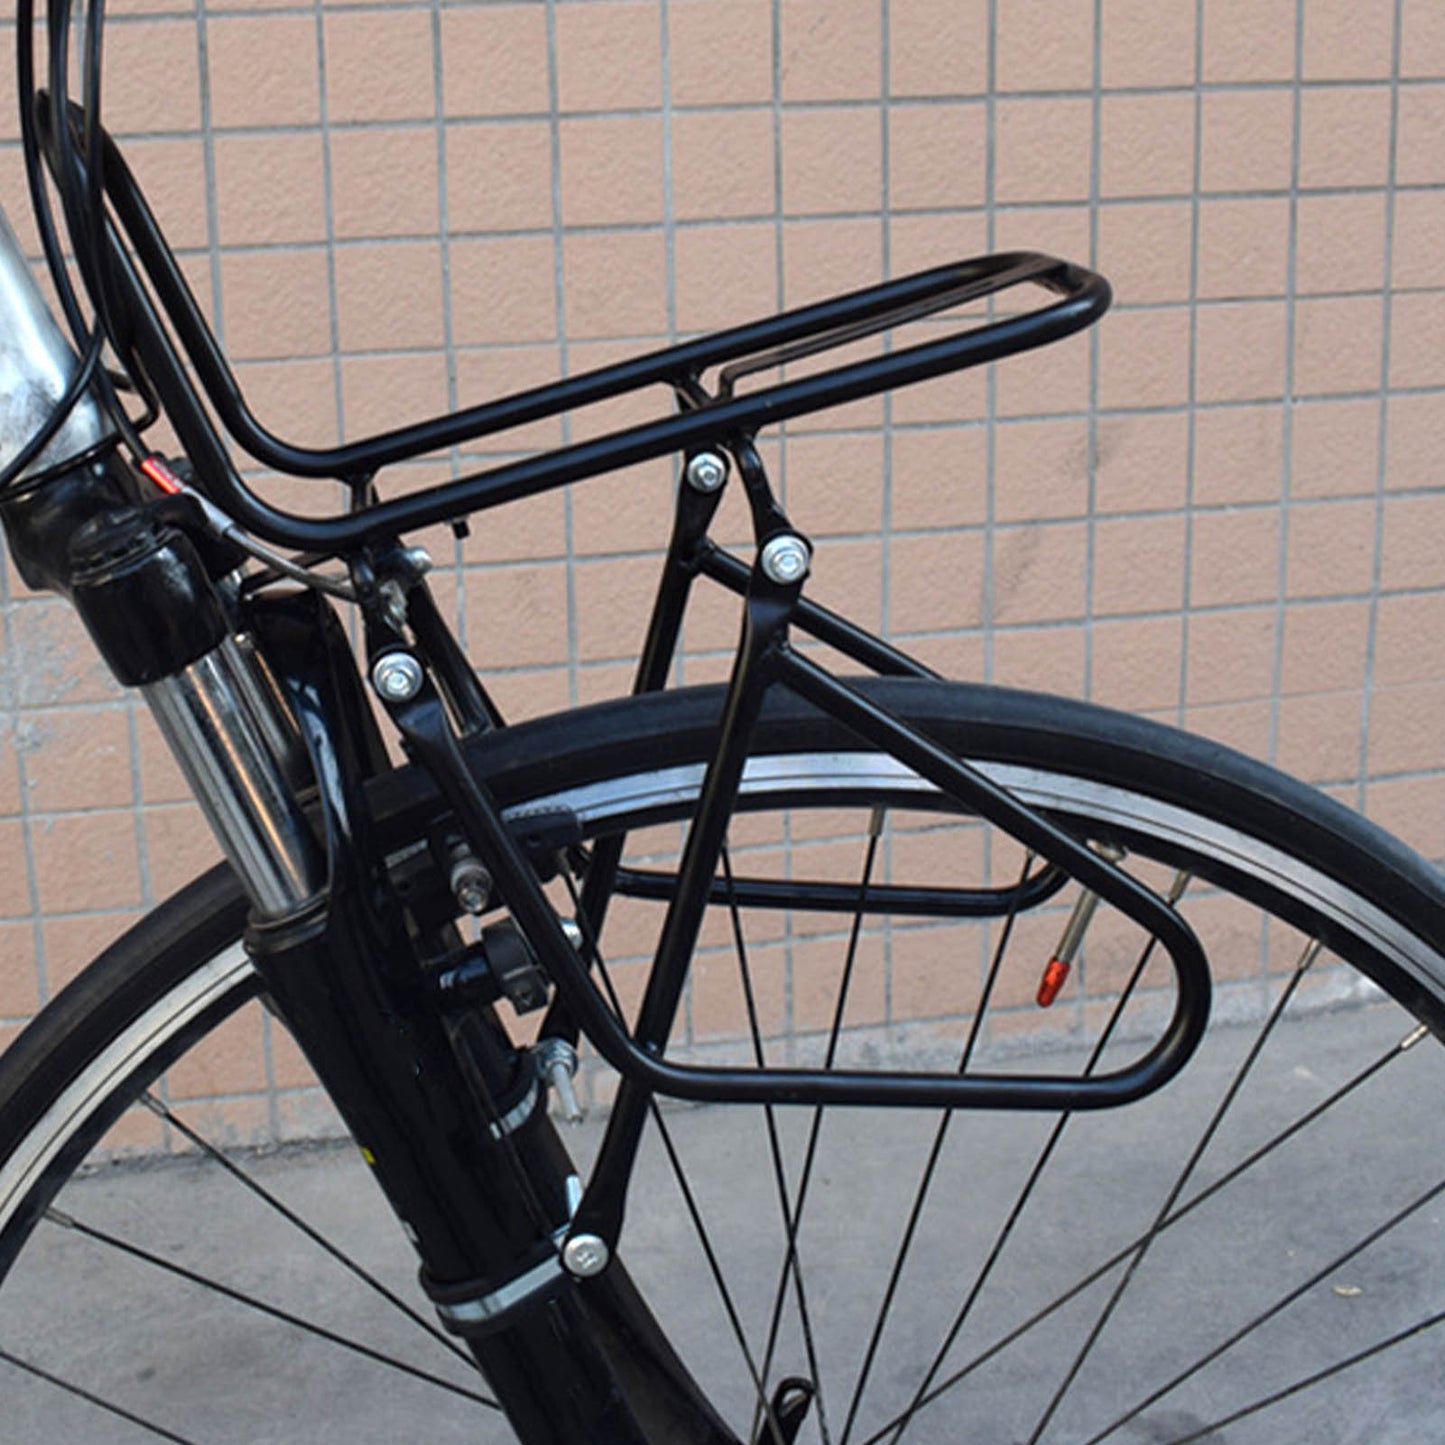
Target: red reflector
[(156, 469), (1056, 974)]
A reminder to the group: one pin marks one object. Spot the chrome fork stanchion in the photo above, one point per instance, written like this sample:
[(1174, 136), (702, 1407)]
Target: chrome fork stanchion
[(222, 730)]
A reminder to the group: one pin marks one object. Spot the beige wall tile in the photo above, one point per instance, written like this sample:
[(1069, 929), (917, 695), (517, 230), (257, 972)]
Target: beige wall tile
[(1331, 548), (1335, 448), (723, 165), (835, 484), (611, 171), (939, 477), (1409, 639), (720, 54), (1247, 40), (1146, 145), (1148, 42), (1417, 322), (1341, 243), (1145, 250), (1041, 150), (726, 275), (494, 60), (389, 296), (1326, 647), (263, 70), (1344, 137), (614, 284), (503, 290), (1243, 248), (1044, 44), (76, 759), (1422, 39), (379, 65), (1144, 359), (134, 55), (832, 161), (1348, 39), (1411, 557), (1231, 655), (1337, 344), (609, 56), (270, 189), (1139, 565), (276, 303), (1235, 557), (822, 57), (1045, 659), (1240, 351), (937, 156), (1415, 449), (1422, 114), (73, 941), (1246, 140), (86, 861), (1141, 463), (1038, 573), (1238, 455), (384, 183), (1041, 470), (1136, 662), (938, 47), (1418, 248)]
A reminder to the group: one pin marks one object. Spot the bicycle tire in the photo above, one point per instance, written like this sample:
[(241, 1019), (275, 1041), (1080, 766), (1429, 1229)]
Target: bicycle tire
[(1247, 830)]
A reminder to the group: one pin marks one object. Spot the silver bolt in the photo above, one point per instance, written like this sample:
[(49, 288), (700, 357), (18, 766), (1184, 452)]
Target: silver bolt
[(785, 559), (556, 1062), (585, 1255), (706, 472), (573, 930), (471, 884), (397, 676)]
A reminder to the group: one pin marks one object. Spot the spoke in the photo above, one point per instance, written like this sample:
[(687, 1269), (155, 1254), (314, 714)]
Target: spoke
[(1204, 1195), (1138, 1257), (1278, 1307), (67, 1221), (1176, 892), (934, 1154), (791, 1264), (1310, 1381), (875, 832), (70, 1388), (159, 1107)]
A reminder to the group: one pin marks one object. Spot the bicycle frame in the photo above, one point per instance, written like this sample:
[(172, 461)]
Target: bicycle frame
[(444, 1106)]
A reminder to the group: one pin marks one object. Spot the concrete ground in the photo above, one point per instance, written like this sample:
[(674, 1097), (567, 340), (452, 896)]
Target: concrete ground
[(212, 1371)]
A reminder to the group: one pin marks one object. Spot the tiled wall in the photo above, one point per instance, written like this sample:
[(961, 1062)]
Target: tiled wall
[(1218, 507)]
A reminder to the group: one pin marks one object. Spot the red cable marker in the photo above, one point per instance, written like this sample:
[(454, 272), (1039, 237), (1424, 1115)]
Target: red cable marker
[(156, 469)]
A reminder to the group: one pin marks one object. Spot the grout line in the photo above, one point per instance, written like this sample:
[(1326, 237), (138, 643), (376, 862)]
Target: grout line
[(1091, 454), (1191, 442), (558, 232), (1377, 560)]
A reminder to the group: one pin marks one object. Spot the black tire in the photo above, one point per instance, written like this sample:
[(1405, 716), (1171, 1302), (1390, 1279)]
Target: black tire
[(1251, 834)]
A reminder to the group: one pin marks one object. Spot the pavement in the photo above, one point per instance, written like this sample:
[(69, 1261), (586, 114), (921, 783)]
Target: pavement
[(210, 1370)]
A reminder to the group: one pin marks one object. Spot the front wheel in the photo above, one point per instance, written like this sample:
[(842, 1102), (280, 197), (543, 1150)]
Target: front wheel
[(1250, 1254)]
